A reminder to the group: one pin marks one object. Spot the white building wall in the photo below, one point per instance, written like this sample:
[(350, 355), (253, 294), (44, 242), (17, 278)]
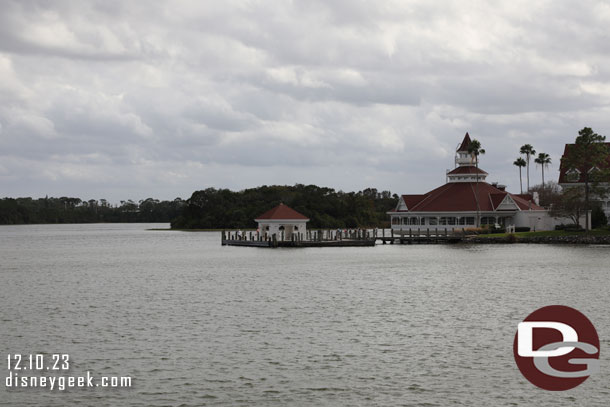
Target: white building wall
[(541, 220), (290, 227), (535, 220)]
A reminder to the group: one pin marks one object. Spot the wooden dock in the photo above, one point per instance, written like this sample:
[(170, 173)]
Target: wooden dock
[(317, 238), (419, 236), (344, 238)]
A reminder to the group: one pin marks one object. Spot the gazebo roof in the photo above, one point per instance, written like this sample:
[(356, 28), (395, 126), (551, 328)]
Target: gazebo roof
[(282, 212), (462, 197)]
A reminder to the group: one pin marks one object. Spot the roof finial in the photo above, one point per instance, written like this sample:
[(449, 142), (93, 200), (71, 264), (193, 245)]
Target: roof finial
[(464, 145)]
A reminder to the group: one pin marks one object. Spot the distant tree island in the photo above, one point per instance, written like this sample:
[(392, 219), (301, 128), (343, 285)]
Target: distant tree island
[(19, 211), (221, 208), (212, 208)]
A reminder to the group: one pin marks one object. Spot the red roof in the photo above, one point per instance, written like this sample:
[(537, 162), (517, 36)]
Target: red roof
[(526, 197), (496, 199), (461, 197), (465, 143), (563, 178), (412, 200), (466, 170), (282, 212)]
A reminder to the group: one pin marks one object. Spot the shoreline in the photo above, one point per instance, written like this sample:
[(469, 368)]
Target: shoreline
[(511, 239)]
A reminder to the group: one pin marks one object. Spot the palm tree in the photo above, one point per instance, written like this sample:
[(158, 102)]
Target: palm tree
[(529, 151), (474, 149), (520, 162), (544, 160)]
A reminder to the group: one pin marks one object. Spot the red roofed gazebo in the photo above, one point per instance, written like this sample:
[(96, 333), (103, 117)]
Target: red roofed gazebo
[(282, 220)]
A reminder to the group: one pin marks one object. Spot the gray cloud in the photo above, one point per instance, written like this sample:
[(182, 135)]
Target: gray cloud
[(136, 99)]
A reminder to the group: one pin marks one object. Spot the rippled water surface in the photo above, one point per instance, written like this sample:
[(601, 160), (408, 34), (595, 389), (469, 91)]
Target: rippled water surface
[(194, 323)]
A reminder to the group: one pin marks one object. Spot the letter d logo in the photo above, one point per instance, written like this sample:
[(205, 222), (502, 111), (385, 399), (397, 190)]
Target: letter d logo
[(556, 348), (526, 338)]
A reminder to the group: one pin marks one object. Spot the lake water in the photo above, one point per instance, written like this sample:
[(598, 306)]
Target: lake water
[(195, 323)]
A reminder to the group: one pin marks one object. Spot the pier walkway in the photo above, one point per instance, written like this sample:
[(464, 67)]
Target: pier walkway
[(342, 238), (311, 238), (410, 236)]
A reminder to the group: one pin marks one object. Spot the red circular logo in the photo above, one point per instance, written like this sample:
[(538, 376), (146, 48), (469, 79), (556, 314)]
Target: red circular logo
[(556, 348)]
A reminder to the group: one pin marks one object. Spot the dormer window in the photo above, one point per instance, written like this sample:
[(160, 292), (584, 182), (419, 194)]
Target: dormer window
[(595, 173), (573, 175)]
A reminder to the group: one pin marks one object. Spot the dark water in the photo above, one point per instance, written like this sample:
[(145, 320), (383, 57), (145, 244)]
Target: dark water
[(194, 323)]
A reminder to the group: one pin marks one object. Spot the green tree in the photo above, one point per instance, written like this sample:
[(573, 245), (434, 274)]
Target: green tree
[(544, 160), (549, 194), (75, 210), (474, 149), (569, 204), (325, 207), (588, 155), (528, 151), (520, 162)]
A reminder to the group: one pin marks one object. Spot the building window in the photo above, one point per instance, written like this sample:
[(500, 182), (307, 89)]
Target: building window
[(466, 220), (395, 220), (432, 221), (573, 175), (448, 220), (505, 221), (488, 220), (413, 221)]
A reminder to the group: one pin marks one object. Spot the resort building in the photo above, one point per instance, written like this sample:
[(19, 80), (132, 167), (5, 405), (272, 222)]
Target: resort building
[(467, 200), (282, 221), (574, 177)]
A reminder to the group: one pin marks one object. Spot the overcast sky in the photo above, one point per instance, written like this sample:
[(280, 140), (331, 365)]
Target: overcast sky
[(121, 100)]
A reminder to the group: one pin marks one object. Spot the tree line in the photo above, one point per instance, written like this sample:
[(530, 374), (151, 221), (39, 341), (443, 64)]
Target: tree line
[(15, 211), (221, 208), (211, 208)]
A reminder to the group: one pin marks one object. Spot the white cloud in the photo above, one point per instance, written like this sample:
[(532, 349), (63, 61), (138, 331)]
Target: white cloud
[(185, 95)]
